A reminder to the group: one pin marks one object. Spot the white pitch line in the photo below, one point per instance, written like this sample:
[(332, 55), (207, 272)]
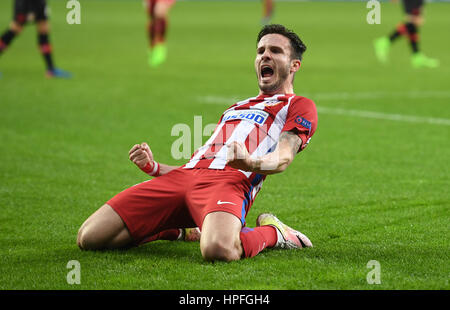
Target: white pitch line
[(359, 113), (385, 116), (342, 96), (218, 100), (379, 94)]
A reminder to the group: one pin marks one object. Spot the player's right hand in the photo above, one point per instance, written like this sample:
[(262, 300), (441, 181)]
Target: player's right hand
[(141, 155)]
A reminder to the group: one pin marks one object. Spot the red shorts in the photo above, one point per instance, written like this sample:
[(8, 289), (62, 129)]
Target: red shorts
[(181, 198)]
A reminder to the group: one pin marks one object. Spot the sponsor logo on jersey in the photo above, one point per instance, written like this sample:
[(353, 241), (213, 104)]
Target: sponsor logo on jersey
[(251, 115), (303, 122)]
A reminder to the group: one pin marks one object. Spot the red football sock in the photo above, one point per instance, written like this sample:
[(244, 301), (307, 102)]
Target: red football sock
[(401, 29), (268, 8), (46, 50), (157, 31), (6, 38), (169, 234), (254, 240)]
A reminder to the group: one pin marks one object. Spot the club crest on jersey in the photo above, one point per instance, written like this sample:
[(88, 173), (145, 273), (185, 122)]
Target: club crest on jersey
[(251, 115), (271, 103), (303, 122)]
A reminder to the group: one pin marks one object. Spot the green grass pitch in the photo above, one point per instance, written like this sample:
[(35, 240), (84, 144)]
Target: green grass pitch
[(372, 185)]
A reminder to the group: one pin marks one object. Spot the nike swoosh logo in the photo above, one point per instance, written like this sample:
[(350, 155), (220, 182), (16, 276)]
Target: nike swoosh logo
[(224, 202)]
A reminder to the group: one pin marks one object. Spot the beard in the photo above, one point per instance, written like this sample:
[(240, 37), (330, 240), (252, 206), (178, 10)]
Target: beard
[(283, 74)]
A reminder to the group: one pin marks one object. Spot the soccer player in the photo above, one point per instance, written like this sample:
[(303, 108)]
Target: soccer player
[(267, 11), (24, 10), (409, 29), (158, 12), (214, 191)]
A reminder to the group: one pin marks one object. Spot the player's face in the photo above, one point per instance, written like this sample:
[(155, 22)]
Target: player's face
[(273, 63)]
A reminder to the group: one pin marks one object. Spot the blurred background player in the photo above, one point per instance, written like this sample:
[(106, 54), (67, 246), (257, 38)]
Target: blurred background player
[(409, 29), (24, 11), (158, 12), (267, 12)]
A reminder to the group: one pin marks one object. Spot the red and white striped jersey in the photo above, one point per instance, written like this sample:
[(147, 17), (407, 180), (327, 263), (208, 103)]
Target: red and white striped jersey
[(257, 122)]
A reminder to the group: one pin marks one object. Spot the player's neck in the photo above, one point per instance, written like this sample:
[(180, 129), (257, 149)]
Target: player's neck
[(280, 91)]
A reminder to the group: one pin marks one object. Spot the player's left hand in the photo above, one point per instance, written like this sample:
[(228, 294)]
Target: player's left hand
[(238, 157)]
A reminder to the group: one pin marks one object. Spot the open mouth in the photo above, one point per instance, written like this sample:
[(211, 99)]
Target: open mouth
[(266, 71)]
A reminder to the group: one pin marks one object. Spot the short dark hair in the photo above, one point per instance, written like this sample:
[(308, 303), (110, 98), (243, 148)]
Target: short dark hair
[(297, 45)]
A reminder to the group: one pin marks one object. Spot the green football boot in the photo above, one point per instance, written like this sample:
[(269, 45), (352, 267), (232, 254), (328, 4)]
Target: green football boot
[(157, 55), (419, 60), (382, 46), (287, 238)]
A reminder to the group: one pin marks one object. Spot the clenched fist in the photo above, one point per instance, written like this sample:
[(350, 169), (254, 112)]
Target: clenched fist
[(238, 157), (141, 155)]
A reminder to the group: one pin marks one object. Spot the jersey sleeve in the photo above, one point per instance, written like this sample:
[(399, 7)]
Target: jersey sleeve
[(302, 119)]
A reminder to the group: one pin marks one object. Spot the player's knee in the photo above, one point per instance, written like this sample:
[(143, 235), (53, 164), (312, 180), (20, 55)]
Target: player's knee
[(418, 21), (43, 27), (87, 240), (218, 250), (161, 10), (82, 239), (16, 27)]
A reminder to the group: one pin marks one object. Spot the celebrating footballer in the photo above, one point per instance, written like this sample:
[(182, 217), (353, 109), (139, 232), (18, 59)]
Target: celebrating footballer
[(209, 197)]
